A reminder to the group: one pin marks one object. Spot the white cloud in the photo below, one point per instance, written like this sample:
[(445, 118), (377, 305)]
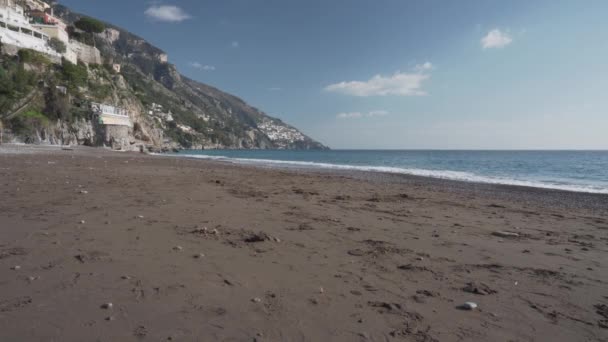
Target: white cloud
[(167, 13), (496, 39), (200, 66), (235, 44), (356, 115), (350, 115), (377, 113), (400, 84), (426, 66)]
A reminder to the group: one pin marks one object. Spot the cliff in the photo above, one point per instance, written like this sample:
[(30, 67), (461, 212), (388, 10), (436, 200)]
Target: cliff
[(168, 110)]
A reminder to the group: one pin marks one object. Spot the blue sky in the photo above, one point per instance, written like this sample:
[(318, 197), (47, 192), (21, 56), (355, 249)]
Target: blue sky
[(395, 74)]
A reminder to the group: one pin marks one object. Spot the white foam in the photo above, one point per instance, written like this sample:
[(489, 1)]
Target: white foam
[(440, 174)]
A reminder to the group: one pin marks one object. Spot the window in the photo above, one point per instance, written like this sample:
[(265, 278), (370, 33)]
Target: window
[(2, 24), (13, 28), (37, 35)]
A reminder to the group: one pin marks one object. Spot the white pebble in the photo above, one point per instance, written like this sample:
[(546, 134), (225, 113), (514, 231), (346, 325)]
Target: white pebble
[(178, 248), (469, 306), (16, 268), (256, 300)]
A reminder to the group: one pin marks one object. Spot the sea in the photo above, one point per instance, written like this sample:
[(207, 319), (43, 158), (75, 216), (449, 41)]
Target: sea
[(579, 171)]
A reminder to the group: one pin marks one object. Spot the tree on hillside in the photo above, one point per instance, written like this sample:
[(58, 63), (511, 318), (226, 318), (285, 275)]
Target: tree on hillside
[(90, 25), (57, 45)]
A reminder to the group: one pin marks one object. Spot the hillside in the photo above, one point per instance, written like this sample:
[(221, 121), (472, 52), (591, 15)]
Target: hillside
[(168, 110)]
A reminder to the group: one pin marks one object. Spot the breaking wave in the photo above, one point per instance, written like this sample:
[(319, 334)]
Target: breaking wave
[(439, 174)]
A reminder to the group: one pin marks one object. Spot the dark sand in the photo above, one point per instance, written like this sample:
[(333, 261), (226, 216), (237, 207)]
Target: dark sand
[(296, 255)]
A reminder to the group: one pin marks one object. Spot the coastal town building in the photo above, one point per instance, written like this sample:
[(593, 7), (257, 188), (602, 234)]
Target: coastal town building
[(114, 125), (111, 115), (36, 5), (33, 29), (16, 30)]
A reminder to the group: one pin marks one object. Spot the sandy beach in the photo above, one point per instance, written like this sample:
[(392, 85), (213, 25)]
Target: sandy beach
[(105, 246)]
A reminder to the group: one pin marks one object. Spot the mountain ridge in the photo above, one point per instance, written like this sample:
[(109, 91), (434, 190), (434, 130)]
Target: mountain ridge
[(169, 110)]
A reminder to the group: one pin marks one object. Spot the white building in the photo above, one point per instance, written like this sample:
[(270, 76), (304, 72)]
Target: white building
[(110, 115), (16, 30), (37, 5)]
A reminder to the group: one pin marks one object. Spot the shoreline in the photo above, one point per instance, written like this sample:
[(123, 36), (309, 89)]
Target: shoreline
[(558, 199), (197, 250), (460, 176)]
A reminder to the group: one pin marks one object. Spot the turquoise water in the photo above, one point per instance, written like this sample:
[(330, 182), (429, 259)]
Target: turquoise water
[(583, 171)]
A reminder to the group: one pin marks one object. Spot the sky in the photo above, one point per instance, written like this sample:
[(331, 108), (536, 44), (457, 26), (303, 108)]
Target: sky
[(395, 74)]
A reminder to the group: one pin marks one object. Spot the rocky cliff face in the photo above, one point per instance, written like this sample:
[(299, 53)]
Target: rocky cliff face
[(170, 110)]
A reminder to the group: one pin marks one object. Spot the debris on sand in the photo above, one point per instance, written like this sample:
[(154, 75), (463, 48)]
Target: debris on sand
[(602, 310), (259, 237), (478, 288), (468, 306), (357, 252), (203, 230), (505, 234)]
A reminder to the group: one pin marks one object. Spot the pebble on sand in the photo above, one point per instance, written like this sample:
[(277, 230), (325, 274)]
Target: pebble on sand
[(83, 221), (505, 234), (107, 306), (256, 300), (16, 268), (199, 255), (178, 248), (469, 306)]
